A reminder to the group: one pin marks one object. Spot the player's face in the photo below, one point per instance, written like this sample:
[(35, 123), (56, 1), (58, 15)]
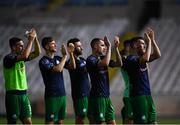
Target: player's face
[(127, 48), (101, 47), (140, 47), (51, 47), (78, 48), (19, 47)]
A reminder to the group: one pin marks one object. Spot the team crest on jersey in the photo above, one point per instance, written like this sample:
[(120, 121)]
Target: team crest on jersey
[(83, 64), (143, 69), (103, 71), (57, 62)]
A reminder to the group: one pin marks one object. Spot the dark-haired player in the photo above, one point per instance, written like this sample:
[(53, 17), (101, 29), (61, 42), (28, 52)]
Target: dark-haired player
[(80, 85), (51, 67), (145, 51), (100, 106), (17, 100), (126, 112)]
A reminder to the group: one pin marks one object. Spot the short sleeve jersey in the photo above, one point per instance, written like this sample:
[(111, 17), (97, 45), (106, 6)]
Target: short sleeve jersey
[(54, 81), (127, 83), (99, 77), (138, 75), (80, 84)]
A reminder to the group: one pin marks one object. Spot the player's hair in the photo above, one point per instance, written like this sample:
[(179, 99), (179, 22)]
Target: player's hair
[(95, 41), (13, 41), (73, 40), (135, 40), (127, 42), (46, 40)]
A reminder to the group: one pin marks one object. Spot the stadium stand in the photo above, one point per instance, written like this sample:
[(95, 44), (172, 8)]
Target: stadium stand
[(22, 2)]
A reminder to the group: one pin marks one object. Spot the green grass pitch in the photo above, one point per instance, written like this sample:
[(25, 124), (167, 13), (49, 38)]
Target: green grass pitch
[(68, 120)]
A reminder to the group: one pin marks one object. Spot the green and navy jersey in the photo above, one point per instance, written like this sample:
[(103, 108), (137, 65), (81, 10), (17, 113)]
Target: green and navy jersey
[(14, 73), (138, 75), (99, 77), (80, 85), (125, 76), (126, 82), (54, 81)]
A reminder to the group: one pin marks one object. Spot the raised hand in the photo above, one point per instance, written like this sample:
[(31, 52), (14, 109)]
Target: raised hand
[(106, 41), (32, 34), (116, 41), (147, 38), (71, 47), (150, 33), (63, 50)]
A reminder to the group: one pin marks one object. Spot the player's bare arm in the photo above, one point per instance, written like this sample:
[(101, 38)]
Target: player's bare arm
[(72, 64), (156, 53), (146, 56), (118, 61), (60, 66), (105, 61), (26, 52), (37, 48)]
